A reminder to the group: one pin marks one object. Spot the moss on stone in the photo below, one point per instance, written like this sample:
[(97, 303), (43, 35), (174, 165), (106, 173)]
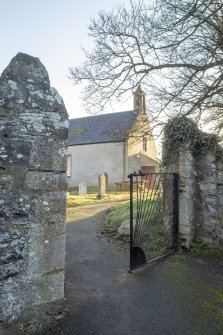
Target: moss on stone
[(202, 293), (78, 131), (182, 132), (215, 252)]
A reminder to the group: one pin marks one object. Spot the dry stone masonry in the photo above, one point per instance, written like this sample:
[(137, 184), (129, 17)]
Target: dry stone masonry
[(198, 159), (33, 132)]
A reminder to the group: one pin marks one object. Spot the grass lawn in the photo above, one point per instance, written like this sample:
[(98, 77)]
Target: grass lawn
[(116, 216), (79, 206), (74, 199), (121, 212), (118, 213)]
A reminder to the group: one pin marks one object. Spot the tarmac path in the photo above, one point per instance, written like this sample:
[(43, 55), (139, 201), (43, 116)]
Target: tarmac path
[(181, 295)]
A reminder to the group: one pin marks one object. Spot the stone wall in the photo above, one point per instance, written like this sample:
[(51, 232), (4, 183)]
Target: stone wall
[(200, 185), (33, 132), (206, 208), (220, 198)]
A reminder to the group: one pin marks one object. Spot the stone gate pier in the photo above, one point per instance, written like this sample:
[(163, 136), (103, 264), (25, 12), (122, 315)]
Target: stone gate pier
[(198, 159), (33, 135)]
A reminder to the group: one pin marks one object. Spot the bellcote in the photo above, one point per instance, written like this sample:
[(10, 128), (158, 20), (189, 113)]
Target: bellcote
[(139, 103)]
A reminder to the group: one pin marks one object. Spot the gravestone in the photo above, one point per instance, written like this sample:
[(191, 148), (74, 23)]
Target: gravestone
[(33, 131), (106, 179), (82, 189), (102, 187)]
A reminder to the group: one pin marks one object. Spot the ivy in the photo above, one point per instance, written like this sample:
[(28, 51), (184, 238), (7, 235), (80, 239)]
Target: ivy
[(182, 132)]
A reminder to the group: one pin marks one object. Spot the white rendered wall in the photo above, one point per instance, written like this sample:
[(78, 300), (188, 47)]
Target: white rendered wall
[(90, 160), (135, 147)]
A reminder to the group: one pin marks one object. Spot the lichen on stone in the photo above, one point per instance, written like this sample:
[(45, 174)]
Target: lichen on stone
[(33, 131)]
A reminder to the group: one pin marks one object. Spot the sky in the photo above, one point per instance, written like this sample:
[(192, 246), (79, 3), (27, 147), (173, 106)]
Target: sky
[(53, 31)]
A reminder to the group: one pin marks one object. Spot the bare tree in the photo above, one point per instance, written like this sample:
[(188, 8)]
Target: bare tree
[(173, 48)]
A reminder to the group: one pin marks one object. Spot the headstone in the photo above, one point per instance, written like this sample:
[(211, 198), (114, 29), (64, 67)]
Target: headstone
[(106, 179), (33, 131), (82, 189), (102, 186)]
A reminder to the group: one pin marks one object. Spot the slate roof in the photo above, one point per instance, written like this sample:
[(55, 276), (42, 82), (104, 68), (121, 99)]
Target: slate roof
[(104, 128)]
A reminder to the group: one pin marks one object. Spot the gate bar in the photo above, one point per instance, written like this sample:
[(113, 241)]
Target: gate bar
[(131, 219), (175, 213)]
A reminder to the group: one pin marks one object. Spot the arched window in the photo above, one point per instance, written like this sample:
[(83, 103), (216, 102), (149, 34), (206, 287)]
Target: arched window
[(144, 143)]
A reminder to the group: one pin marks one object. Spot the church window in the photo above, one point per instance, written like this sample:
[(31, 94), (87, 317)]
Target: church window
[(144, 143)]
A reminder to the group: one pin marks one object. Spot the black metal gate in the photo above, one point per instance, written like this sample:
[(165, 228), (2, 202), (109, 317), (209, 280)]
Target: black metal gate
[(153, 217)]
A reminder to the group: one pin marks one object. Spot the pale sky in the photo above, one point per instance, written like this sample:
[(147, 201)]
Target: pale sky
[(53, 31)]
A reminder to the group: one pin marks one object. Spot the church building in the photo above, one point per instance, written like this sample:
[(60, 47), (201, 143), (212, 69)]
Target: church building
[(114, 143)]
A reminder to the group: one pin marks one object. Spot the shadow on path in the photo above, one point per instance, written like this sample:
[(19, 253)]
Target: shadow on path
[(180, 295)]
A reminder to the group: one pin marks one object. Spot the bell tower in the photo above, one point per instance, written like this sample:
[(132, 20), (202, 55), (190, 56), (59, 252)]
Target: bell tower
[(139, 103)]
